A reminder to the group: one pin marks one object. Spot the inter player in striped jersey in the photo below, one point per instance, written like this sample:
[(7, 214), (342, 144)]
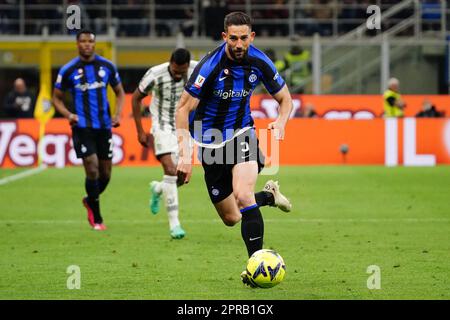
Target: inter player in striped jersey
[(87, 77), (165, 83), (219, 91)]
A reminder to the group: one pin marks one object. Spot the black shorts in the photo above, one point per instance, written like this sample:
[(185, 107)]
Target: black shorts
[(87, 141), (218, 163)]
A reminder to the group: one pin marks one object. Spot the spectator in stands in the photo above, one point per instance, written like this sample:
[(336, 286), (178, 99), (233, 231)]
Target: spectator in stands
[(19, 103), (279, 64), (94, 17), (279, 11), (431, 15), (43, 13), (165, 24), (214, 12), (392, 101), (177, 16), (297, 66), (429, 110), (9, 17), (322, 14), (132, 19), (350, 16), (187, 25), (308, 111)]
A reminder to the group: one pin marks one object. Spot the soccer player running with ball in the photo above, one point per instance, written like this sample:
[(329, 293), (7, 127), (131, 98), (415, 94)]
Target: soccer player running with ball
[(87, 77), (165, 83), (218, 95)]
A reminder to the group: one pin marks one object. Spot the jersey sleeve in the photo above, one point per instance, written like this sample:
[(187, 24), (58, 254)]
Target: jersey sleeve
[(147, 82), (196, 86), (272, 80), (61, 80), (114, 78)]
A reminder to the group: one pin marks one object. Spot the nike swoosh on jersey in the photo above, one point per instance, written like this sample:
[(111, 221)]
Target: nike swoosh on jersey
[(223, 78), (78, 77)]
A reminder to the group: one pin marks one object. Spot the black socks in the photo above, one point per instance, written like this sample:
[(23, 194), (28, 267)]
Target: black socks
[(264, 198), (93, 192), (102, 183), (252, 228)]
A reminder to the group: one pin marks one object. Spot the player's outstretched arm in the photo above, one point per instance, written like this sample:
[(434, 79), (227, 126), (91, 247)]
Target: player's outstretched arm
[(120, 100), (186, 104), (58, 102), (284, 99), (136, 102)]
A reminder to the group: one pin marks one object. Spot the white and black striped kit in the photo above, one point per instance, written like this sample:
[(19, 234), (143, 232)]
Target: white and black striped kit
[(165, 93)]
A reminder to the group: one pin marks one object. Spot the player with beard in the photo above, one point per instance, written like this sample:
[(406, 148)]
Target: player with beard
[(215, 108)]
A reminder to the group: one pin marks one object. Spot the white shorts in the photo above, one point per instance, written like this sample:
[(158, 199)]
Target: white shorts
[(165, 142)]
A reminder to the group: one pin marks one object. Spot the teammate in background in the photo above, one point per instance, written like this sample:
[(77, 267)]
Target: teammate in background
[(219, 91), (392, 100), (165, 83), (87, 77)]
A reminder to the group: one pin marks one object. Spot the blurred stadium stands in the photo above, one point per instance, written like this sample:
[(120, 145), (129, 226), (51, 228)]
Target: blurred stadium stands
[(196, 18), (346, 57)]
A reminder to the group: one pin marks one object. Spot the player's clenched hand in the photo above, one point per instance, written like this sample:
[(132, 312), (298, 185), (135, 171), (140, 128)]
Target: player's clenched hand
[(184, 172), (143, 139), (115, 121), (277, 128), (73, 119)]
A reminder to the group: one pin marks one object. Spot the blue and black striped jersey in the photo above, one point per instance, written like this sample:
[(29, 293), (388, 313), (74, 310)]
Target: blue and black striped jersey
[(88, 82), (224, 87)]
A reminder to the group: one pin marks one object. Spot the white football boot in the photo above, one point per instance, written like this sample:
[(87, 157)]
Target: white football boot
[(280, 200)]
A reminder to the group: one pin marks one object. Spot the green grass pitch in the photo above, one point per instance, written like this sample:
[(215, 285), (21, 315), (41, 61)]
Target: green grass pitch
[(344, 219)]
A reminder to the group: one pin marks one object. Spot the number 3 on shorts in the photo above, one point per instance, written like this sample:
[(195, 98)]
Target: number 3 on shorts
[(246, 146)]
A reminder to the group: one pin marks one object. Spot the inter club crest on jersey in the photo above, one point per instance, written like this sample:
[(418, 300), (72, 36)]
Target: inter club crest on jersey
[(101, 72)]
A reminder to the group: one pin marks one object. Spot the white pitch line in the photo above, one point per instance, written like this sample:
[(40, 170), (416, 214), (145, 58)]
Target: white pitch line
[(23, 174)]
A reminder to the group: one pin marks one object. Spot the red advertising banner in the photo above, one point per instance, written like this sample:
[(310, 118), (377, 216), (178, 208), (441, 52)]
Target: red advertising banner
[(335, 106), (408, 141), (346, 106)]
